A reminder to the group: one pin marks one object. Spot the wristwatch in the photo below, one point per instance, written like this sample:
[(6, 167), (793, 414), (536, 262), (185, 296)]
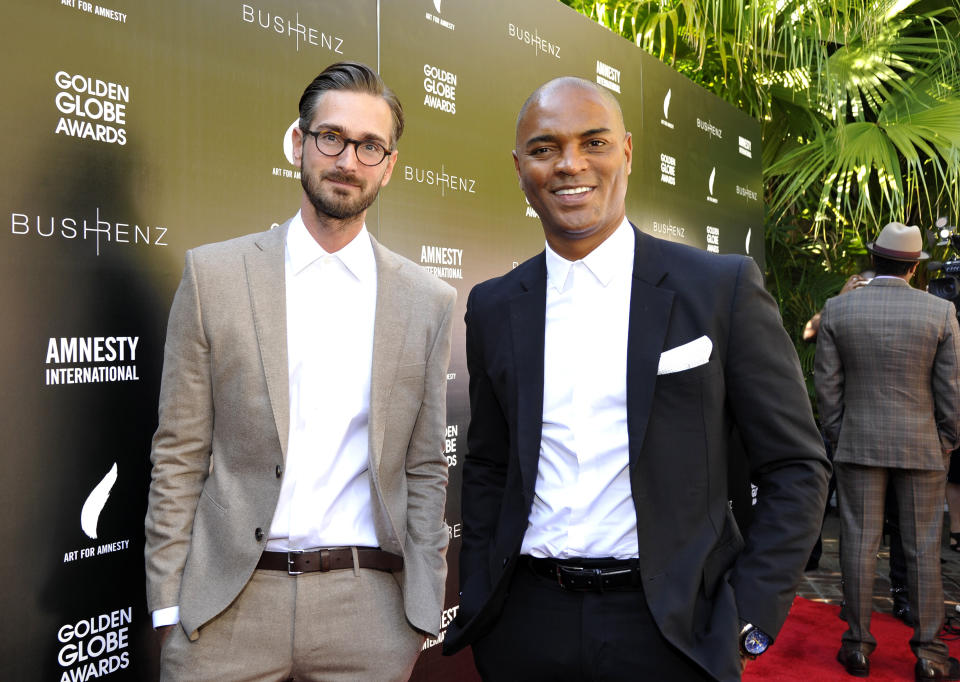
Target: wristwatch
[(753, 641)]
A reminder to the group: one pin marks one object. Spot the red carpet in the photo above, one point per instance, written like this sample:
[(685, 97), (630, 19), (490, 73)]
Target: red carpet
[(806, 649)]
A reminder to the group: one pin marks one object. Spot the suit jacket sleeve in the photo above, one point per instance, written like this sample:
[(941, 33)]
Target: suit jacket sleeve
[(426, 469), (769, 402), (484, 472), (181, 445), (829, 379), (946, 383)]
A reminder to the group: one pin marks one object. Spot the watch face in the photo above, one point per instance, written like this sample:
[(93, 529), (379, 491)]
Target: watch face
[(755, 642)]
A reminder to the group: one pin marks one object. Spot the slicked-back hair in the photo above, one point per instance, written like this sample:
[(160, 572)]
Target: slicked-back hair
[(351, 77)]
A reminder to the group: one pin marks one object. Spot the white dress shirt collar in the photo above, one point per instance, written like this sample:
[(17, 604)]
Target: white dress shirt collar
[(610, 257), (303, 250)]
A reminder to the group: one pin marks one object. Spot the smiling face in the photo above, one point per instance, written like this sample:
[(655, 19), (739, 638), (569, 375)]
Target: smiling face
[(573, 158)]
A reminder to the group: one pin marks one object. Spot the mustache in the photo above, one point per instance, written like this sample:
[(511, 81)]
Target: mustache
[(336, 176)]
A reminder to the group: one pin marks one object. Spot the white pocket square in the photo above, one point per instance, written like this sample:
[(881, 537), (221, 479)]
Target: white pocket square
[(687, 356)]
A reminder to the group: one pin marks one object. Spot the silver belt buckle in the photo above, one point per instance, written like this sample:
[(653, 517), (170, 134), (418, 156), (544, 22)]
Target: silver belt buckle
[(290, 555)]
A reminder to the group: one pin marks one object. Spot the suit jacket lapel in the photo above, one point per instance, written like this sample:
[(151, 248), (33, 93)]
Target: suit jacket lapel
[(389, 329), (650, 309), (266, 281), (527, 322)]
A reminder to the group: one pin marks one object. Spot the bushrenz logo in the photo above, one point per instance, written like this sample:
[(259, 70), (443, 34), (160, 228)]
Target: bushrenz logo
[(440, 89), (608, 77), (441, 179), (666, 110), (713, 176), (710, 129), (442, 261), (540, 45), (668, 169), (92, 109), (747, 192), (667, 228), (291, 28), (107, 359), (68, 227), (437, 19), (95, 647), (713, 239), (745, 147)]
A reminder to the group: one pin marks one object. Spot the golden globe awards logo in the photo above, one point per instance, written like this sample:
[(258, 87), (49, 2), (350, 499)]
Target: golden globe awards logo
[(93, 109), (440, 89), (95, 647), (668, 169), (713, 239)]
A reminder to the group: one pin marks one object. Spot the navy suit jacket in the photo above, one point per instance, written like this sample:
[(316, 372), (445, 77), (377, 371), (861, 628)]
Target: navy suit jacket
[(699, 574)]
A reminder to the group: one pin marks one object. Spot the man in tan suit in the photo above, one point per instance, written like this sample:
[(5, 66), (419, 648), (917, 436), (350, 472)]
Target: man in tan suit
[(888, 386), (295, 523)]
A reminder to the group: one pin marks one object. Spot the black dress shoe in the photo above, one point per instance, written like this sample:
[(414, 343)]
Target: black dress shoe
[(857, 663), (925, 669)]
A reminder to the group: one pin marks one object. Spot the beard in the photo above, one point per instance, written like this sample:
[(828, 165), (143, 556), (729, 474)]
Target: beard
[(330, 202)]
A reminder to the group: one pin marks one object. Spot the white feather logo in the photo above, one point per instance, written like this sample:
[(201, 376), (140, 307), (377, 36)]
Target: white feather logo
[(666, 104), (746, 247), (90, 514), (436, 3), (713, 174)]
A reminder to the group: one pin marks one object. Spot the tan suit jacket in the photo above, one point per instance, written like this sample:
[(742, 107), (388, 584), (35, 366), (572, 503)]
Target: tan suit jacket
[(219, 451), (888, 376)]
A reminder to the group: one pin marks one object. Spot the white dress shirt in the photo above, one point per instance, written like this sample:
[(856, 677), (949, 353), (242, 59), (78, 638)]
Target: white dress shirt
[(583, 505), (325, 497)]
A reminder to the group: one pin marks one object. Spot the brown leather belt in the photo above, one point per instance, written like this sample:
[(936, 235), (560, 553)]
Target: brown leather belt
[(296, 562)]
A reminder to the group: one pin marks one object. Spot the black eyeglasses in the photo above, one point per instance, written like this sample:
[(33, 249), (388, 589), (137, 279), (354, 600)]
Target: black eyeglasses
[(330, 143)]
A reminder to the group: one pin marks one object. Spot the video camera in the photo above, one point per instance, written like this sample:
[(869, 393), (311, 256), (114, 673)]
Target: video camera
[(947, 286)]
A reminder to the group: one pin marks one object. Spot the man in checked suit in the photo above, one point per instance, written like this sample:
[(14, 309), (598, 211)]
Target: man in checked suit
[(295, 523), (888, 386), (606, 376)]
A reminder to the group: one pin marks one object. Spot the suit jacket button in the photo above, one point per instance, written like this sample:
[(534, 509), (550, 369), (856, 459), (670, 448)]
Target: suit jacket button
[(505, 560), (258, 534), (279, 471)]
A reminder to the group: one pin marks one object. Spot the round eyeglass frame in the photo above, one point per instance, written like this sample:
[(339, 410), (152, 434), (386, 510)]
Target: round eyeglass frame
[(344, 141)]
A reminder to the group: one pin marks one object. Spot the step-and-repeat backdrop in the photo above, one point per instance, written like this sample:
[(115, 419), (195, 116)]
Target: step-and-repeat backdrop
[(135, 130)]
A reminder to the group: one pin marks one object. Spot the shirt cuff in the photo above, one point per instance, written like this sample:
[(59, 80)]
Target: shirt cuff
[(167, 616)]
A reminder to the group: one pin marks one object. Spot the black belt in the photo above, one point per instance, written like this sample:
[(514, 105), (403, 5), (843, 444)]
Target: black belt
[(295, 562), (589, 575)]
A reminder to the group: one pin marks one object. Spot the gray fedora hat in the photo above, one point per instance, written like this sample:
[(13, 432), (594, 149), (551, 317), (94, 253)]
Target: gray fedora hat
[(897, 241)]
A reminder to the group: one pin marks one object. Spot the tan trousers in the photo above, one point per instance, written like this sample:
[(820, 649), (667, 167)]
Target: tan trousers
[(340, 625)]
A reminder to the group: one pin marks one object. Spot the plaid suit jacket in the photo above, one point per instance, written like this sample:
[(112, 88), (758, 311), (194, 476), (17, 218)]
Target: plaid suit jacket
[(887, 375)]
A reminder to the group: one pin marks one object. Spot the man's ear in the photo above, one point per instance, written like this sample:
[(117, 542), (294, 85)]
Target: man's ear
[(297, 137)]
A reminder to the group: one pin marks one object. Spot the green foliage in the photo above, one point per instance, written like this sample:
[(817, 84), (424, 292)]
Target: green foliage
[(859, 103)]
